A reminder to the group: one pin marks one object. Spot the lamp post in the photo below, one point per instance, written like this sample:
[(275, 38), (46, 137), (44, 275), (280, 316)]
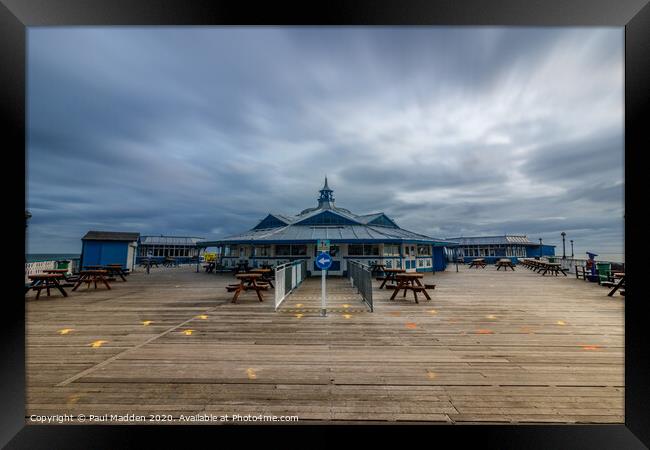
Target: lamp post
[(571, 248), (540, 248), (563, 245)]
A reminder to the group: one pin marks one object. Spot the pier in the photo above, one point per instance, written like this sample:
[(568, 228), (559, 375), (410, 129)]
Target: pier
[(490, 347)]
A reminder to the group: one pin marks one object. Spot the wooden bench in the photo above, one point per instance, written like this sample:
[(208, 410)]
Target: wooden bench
[(415, 288), (232, 287), (430, 286), (581, 272)]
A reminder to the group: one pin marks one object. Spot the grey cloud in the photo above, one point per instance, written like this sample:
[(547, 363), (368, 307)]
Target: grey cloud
[(448, 130)]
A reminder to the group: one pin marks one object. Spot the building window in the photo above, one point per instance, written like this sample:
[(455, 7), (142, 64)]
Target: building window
[(282, 250), (299, 250), (355, 250), (264, 250), (424, 250), (371, 250), (390, 249)]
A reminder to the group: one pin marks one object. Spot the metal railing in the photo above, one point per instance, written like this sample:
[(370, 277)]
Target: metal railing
[(288, 277), (361, 278)]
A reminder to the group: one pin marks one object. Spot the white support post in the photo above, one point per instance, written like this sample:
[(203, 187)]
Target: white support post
[(323, 297)]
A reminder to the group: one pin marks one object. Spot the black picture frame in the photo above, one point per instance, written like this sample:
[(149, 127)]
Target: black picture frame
[(634, 15)]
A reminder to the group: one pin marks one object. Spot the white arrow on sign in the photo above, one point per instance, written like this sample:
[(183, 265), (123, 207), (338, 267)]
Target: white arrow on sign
[(323, 261)]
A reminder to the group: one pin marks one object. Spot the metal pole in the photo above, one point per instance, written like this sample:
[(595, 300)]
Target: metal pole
[(323, 298), (571, 248), (540, 248), (563, 245)]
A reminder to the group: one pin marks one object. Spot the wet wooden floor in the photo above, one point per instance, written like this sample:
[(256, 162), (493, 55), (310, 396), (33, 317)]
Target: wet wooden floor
[(489, 347)]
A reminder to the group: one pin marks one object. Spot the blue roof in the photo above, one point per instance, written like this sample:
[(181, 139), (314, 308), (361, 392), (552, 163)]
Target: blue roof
[(340, 233), (493, 240), (326, 221)]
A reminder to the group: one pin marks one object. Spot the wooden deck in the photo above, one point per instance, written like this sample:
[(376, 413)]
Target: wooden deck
[(491, 346)]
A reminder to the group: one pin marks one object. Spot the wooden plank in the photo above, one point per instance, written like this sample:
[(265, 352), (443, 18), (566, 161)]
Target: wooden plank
[(479, 352)]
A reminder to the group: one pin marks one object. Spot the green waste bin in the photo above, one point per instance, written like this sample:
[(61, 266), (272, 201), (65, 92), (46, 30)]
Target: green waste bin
[(604, 271), (62, 264), (551, 259)]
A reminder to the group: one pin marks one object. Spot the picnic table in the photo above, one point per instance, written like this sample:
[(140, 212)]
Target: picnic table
[(247, 281), (619, 285), (92, 276), (115, 269), (144, 262), (169, 262), (46, 281), (478, 262), (390, 276), (147, 262), (210, 266), (266, 275), (377, 268), (555, 268), (64, 273), (241, 266), (505, 263), (410, 281)]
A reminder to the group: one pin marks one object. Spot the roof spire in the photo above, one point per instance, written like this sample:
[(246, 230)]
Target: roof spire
[(326, 198)]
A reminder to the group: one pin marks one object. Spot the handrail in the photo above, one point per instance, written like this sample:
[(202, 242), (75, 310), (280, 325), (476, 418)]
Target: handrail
[(361, 277), (288, 277)]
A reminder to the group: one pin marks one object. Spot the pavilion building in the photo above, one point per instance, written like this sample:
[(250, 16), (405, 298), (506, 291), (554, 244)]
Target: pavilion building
[(492, 248), (182, 248), (369, 238)]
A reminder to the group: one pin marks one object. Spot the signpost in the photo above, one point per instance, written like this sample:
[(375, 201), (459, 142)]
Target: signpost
[(323, 262), (323, 246)]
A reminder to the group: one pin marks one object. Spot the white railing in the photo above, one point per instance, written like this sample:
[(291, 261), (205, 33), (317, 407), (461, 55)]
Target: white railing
[(569, 264), (288, 277), (36, 267), (32, 268)]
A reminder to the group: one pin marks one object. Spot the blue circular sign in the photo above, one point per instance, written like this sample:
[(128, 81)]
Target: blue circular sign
[(324, 261)]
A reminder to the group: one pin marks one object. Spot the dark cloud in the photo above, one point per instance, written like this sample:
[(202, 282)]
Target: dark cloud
[(202, 131)]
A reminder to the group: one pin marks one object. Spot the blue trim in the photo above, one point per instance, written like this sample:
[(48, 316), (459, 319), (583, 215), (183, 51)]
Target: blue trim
[(269, 222), (384, 221), (327, 217), (265, 257), (333, 241)]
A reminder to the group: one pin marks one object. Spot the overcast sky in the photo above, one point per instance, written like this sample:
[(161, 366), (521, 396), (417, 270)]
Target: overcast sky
[(202, 131)]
